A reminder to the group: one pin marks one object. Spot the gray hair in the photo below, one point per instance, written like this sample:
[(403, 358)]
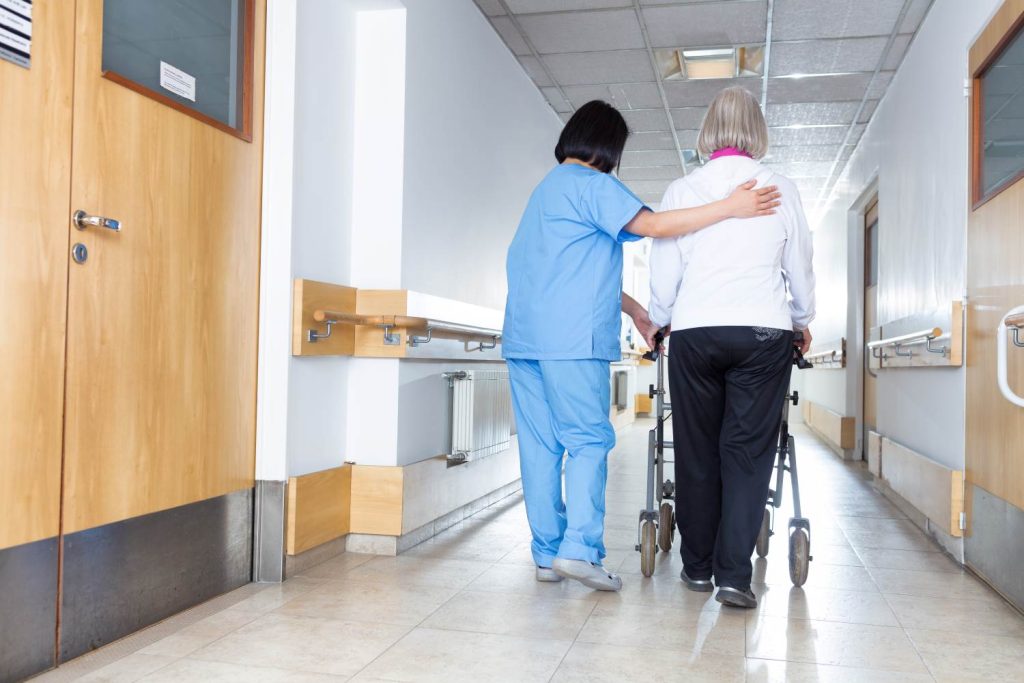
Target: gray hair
[(734, 119)]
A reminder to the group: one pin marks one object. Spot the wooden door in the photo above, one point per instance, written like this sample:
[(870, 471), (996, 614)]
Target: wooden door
[(162, 318), (870, 316), (995, 426)]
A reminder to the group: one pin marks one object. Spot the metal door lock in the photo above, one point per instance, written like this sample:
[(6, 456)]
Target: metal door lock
[(79, 252)]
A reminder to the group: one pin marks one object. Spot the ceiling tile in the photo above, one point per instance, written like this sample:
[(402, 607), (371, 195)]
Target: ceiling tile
[(856, 134), (536, 72), (526, 6), (565, 116), (586, 68), (651, 173), (802, 153), (832, 135), (510, 34), (622, 95), (641, 120), (649, 187), (687, 138), (880, 84), (689, 117), (897, 52), (915, 15), (802, 169), (811, 113), (809, 186), (827, 56), (700, 93), (809, 19), (491, 8), (649, 158), (837, 88), (707, 24), (583, 31), (556, 100), (650, 141)]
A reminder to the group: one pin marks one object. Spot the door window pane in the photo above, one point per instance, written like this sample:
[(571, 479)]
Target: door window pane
[(1002, 119), (191, 53)]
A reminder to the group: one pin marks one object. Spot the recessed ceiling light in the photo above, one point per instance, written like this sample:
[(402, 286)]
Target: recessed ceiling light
[(705, 63)]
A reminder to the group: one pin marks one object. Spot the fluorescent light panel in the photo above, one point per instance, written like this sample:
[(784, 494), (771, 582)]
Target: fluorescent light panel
[(708, 63)]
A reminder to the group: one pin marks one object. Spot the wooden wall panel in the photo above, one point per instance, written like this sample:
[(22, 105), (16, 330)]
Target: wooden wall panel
[(376, 500), (319, 508), (307, 297), (875, 453), (932, 488), (35, 186), (839, 431)]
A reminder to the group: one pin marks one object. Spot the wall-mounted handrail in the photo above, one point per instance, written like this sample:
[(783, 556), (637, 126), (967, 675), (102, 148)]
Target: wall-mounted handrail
[(828, 356), (926, 336), (487, 338), (1013, 320)]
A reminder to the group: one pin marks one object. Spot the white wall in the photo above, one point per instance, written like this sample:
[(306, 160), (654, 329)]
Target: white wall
[(916, 146), (478, 137)]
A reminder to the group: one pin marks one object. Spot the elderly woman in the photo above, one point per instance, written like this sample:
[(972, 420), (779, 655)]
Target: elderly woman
[(734, 294)]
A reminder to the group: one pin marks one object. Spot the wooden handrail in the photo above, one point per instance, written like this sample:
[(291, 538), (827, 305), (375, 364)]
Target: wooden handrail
[(1015, 321), (921, 336), (439, 327)]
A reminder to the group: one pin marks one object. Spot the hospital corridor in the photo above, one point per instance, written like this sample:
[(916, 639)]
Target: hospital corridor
[(512, 340)]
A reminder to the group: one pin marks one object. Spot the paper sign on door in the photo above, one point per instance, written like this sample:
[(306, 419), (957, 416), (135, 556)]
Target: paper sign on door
[(16, 32), (177, 81)]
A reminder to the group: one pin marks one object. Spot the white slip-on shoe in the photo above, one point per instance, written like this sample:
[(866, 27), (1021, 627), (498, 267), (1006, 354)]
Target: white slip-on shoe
[(590, 575), (548, 575)]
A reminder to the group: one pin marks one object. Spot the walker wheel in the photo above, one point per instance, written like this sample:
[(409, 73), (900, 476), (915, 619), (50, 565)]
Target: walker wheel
[(648, 547), (666, 527), (799, 556), (764, 535)]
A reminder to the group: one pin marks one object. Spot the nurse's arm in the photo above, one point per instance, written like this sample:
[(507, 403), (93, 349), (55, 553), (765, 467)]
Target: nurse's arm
[(744, 202)]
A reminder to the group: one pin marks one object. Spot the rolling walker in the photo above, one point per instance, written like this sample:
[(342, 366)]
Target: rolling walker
[(657, 524)]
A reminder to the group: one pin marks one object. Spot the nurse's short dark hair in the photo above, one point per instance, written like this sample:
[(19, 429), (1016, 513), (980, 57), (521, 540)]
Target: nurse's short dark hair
[(596, 134)]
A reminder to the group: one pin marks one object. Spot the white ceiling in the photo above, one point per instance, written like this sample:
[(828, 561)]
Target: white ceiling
[(843, 53)]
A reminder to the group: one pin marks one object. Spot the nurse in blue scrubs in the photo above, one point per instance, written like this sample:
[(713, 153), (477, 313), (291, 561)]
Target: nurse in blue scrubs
[(562, 327)]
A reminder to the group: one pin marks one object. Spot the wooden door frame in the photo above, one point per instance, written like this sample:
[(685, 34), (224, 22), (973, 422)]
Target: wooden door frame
[(855, 314)]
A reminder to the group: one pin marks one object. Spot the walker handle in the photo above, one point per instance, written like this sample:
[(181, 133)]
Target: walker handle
[(659, 337)]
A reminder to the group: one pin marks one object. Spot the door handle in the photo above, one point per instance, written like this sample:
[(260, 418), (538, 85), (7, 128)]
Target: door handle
[(82, 220), (1002, 332)]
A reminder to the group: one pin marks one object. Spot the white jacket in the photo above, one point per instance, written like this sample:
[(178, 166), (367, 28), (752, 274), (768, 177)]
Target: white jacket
[(736, 272)]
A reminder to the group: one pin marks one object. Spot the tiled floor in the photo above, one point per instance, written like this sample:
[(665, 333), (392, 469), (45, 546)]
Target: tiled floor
[(881, 604)]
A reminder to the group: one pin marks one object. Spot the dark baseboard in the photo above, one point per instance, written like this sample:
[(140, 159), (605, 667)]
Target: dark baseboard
[(28, 609), (122, 577)]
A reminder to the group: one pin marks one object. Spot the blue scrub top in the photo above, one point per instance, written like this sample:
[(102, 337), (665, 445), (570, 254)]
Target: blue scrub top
[(565, 268)]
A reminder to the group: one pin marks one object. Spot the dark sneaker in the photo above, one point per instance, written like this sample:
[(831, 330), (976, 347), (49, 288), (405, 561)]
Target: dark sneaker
[(734, 597), (698, 585)]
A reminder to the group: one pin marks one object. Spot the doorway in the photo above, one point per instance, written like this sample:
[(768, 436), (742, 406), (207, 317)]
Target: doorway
[(870, 289), (129, 256)]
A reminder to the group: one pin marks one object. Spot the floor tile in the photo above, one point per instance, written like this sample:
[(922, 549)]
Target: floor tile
[(931, 584), (452, 657), (521, 579), (274, 595), (412, 570), (966, 657), (336, 567), (602, 663), (192, 670), (201, 633), (891, 540), (823, 604), (300, 643), (826, 642), (130, 668), (820, 575), (508, 614), (379, 601), (674, 628), (978, 617), (772, 671), (888, 558)]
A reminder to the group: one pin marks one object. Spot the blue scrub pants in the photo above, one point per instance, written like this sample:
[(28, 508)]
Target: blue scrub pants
[(562, 407)]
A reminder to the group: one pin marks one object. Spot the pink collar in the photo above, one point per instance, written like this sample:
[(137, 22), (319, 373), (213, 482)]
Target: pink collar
[(730, 152)]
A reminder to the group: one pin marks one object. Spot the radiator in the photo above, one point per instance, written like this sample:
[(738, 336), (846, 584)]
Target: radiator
[(481, 415)]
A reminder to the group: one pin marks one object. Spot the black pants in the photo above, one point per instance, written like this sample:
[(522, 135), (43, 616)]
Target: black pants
[(728, 385)]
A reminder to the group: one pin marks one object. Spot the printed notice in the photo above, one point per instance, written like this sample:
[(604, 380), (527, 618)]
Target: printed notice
[(16, 32), (177, 81)]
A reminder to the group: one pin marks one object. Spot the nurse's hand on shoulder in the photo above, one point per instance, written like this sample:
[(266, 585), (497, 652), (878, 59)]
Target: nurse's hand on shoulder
[(747, 202)]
